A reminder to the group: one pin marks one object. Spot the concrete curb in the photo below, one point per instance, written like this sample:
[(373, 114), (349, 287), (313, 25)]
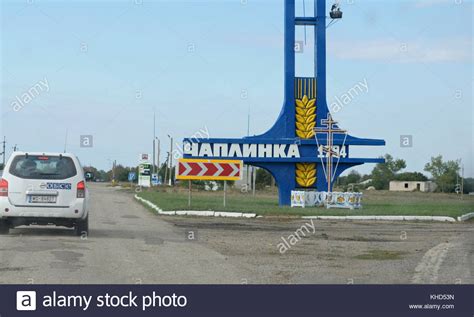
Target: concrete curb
[(199, 213), (466, 216), (384, 218), (210, 213)]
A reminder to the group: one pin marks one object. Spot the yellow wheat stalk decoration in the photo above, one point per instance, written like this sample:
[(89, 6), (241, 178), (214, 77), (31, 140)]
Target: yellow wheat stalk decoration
[(305, 117), (305, 122), (305, 174)]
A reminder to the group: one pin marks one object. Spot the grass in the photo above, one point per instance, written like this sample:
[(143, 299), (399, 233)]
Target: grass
[(380, 255), (266, 203)]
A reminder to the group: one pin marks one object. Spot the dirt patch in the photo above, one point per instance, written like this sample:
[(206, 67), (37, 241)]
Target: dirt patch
[(338, 252)]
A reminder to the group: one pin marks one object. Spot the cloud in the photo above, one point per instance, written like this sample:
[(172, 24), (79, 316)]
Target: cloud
[(403, 52)]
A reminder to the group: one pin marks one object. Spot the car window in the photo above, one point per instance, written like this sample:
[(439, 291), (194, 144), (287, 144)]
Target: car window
[(43, 167)]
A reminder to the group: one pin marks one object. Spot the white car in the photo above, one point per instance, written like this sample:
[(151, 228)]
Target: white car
[(43, 189)]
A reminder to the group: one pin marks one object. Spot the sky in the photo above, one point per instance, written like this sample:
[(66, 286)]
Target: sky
[(103, 68)]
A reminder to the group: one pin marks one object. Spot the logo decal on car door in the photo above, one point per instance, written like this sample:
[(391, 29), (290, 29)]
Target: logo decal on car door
[(65, 186)]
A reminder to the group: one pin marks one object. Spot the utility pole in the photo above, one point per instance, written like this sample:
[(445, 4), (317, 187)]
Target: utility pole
[(154, 146), (170, 181), (158, 155), (4, 152), (171, 159), (113, 172), (249, 173), (158, 160), (462, 180), (457, 182), (65, 142), (166, 168), (254, 180), (248, 122), (154, 160)]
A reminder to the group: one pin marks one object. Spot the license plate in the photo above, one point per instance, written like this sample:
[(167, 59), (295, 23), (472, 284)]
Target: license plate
[(42, 199)]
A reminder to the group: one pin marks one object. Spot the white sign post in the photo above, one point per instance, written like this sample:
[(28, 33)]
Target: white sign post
[(144, 171)]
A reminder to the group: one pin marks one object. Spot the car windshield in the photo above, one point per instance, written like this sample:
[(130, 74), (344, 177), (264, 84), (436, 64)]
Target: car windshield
[(43, 167)]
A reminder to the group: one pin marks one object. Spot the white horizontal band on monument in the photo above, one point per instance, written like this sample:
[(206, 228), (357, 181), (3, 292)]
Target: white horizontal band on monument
[(242, 150)]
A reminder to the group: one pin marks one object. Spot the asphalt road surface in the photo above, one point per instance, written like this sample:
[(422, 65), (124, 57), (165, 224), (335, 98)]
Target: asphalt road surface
[(129, 244)]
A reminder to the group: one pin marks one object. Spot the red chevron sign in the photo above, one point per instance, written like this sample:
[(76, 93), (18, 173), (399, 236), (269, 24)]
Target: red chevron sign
[(200, 169)]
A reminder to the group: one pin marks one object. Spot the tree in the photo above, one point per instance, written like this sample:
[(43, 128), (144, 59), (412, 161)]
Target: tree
[(162, 171), (411, 177), (220, 184), (353, 177), (121, 173), (468, 185), (444, 173), (383, 173), (98, 174), (263, 178), (103, 176)]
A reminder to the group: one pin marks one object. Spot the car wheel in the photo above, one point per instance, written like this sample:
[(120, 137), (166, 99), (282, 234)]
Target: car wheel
[(82, 227), (4, 227)]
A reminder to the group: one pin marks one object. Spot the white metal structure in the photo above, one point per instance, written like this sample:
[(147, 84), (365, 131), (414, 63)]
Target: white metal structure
[(308, 198), (43, 189)]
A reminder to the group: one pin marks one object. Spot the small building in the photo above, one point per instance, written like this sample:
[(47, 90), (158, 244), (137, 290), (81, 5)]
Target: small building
[(409, 186)]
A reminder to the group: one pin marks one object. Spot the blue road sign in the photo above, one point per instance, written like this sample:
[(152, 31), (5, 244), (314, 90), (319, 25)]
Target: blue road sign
[(132, 176), (154, 180)]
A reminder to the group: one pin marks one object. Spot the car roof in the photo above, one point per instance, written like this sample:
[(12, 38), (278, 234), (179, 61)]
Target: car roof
[(44, 153)]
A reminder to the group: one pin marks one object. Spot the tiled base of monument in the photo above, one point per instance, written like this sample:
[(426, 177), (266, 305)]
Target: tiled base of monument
[(349, 200)]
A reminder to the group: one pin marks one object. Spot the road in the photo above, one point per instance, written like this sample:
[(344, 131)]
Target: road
[(129, 244)]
